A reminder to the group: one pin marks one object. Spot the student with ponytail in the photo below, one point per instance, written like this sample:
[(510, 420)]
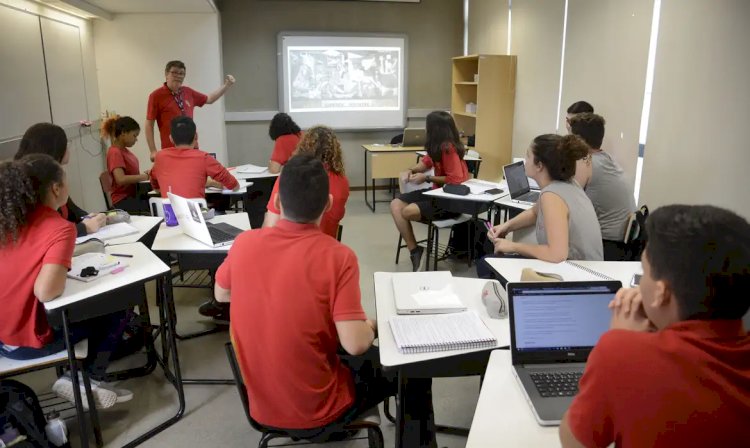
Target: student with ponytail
[(122, 164), (565, 220), (36, 247)]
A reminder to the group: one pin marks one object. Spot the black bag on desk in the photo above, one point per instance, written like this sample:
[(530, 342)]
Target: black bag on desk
[(461, 190)]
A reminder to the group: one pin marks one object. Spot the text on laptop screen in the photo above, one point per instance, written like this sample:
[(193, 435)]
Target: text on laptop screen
[(515, 174), (560, 319)]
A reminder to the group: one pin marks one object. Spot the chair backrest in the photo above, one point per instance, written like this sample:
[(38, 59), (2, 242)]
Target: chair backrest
[(240, 382), (106, 181), (155, 205)]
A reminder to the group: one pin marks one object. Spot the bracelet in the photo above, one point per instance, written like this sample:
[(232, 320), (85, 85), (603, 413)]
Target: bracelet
[(428, 178)]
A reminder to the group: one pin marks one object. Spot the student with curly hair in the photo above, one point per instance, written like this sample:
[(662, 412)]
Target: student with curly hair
[(50, 139), (286, 135), (122, 164), (322, 143), (36, 247)]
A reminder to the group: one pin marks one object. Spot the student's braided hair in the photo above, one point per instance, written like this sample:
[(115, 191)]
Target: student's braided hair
[(321, 142), (24, 184)]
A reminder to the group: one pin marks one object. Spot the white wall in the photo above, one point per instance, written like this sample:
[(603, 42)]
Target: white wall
[(131, 52)]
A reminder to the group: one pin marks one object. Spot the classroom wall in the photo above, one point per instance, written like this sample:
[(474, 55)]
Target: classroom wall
[(86, 155), (249, 36), (131, 53), (488, 30)]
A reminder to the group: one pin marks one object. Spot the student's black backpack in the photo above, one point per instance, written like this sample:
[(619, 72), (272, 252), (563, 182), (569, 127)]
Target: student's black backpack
[(20, 410)]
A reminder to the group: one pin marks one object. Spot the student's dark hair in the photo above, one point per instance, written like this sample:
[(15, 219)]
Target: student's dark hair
[(174, 64), (24, 184), (321, 142), (303, 188), (442, 132), (590, 127), (183, 130), (43, 138), (580, 107), (115, 126), (559, 154), (703, 253), (282, 124)]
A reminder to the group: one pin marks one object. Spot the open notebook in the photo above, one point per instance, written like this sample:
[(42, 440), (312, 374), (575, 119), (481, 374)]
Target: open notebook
[(109, 231), (440, 332)]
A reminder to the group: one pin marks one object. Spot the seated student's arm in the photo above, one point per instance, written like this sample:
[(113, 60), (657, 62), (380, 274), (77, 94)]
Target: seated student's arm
[(356, 333), (525, 219), (282, 151), (50, 282), (556, 224), (274, 167), (338, 201), (220, 174), (584, 170), (416, 172), (453, 167), (223, 281), (120, 178)]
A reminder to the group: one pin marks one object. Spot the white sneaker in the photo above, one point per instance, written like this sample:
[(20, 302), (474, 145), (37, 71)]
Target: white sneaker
[(123, 395), (104, 395)]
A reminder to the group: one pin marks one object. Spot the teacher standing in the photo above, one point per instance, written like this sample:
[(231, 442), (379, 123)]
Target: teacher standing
[(172, 100)]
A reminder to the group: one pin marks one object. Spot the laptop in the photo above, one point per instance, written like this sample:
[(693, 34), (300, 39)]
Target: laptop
[(518, 184), (553, 328), (191, 222), (414, 137), (425, 293)]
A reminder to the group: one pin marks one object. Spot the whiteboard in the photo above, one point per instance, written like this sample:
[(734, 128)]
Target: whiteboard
[(67, 90), (23, 97)]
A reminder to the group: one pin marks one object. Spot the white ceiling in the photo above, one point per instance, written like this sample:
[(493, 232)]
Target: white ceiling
[(148, 6)]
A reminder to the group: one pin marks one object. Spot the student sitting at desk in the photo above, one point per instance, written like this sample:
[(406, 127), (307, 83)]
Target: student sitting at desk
[(674, 369), (604, 183), (122, 164), (320, 142), (36, 247), (50, 139), (184, 170), (286, 135), (565, 220), (288, 324), (445, 153)]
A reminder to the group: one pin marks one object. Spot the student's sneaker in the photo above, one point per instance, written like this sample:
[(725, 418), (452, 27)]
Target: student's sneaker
[(105, 396), (213, 308), (416, 258)]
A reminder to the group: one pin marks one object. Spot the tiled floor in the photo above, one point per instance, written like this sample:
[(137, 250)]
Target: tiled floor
[(214, 415)]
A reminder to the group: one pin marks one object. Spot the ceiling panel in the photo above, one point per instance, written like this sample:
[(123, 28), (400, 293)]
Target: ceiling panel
[(153, 6)]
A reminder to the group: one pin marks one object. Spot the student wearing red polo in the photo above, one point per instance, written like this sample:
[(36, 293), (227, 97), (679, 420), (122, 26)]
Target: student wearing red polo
[(322, 143), (288, 324), (173, 99), (674, 370), (184, 170), (122, 164), (286, 135), (36, 247)]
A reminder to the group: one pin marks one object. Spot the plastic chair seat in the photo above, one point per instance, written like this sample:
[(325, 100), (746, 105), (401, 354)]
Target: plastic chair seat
[(10, 367)]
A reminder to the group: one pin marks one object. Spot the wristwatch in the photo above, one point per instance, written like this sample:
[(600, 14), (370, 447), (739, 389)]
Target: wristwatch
[(427, 178)]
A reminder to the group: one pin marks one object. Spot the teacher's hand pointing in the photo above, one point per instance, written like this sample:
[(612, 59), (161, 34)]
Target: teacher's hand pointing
[(229, 80)]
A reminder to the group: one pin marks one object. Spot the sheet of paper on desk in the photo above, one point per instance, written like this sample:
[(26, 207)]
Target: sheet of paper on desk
[(407, 187), (101, 262), (109, 231), (251, 169), (444, 297), (478, 186)]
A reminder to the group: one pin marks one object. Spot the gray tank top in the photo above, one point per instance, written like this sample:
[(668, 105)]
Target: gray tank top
[(611, 195), (584, 234)]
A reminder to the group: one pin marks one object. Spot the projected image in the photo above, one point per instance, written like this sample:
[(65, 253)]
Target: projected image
[(344, 78)]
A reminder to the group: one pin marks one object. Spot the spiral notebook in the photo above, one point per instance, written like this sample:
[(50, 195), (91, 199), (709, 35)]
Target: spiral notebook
[(441, 332)]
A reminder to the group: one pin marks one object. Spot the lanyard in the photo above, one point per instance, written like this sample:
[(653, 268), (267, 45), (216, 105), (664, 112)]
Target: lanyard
[(178, 99)]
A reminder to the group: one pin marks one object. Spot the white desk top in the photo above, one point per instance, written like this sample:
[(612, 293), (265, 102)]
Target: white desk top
[(503, 417), (510, 268), (470, 291), (244, 184), (171, 239), (144, 265), (506, 201), (143, 223), (467, 157), (438, 192)]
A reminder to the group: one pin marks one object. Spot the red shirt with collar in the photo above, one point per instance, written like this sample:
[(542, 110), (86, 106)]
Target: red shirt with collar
[(451, 166), (125, 159), (338, 187), (284, 146), (47, 238), (283, 316), (163, 108), (185, 171), (686, 385)]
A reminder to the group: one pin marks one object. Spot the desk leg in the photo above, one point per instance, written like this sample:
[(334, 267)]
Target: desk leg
[(76, 384), (366, 181), (400, 416)]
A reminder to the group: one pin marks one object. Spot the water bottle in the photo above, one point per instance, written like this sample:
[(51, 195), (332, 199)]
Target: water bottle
[(56, 430)]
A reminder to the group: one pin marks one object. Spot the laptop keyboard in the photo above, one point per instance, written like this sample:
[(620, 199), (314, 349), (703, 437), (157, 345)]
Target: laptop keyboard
[(558, 384), (531, 196), (218, 235)]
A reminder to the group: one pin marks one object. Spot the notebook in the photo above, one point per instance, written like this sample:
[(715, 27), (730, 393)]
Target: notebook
[(109, 231), (441, 332), (101, 262), (251, 169)]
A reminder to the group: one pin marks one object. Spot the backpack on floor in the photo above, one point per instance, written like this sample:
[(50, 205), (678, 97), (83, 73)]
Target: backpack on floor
[(21, 414)]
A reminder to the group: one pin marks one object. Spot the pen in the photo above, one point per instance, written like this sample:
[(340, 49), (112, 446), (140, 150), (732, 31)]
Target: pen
[(487, 224), (122, 255)]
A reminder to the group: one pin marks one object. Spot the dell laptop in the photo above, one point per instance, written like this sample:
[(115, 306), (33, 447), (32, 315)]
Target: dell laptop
[(414, 137), (518, 184), (553, 328), (193, 224)]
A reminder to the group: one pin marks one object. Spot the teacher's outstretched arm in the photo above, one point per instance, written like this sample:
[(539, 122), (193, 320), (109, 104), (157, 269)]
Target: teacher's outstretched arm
[(150, 138), (215, 95)]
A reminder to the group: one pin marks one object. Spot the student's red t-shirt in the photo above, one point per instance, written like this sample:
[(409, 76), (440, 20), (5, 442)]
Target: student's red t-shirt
[(283, 315), (451, 166), (185, 172), (284, 146), (686, 385), (47, 238), (163, 108), (125, 159), (338, 187)]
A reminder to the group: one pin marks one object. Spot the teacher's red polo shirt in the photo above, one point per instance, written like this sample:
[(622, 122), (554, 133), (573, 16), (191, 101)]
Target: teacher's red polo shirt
[(686, 385), (163, 108), (289, 285)]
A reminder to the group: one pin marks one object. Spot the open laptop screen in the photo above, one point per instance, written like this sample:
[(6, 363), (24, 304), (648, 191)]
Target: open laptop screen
[(515, 175)]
